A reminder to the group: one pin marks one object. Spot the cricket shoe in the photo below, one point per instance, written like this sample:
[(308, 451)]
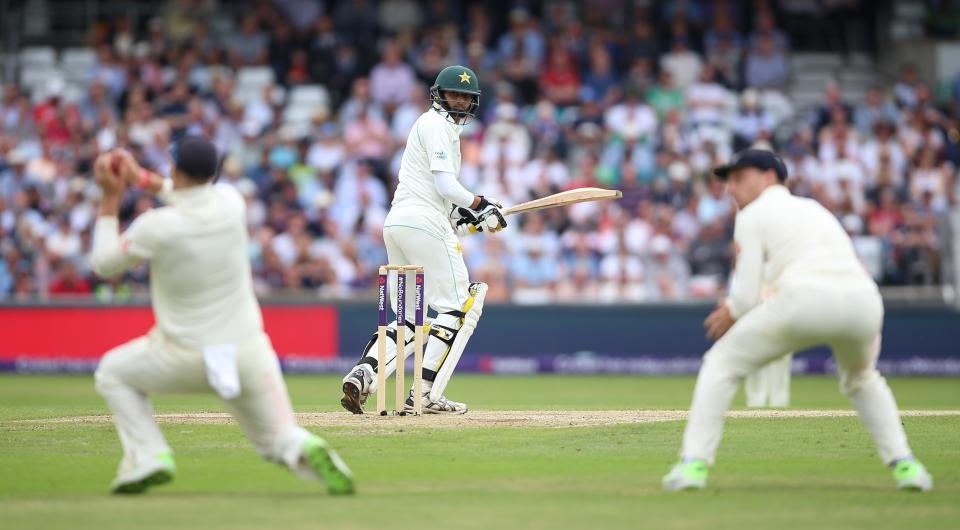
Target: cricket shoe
[(440, 406), (686, 475), (356, 389), (912, 476), (328, 465), (158, 471)]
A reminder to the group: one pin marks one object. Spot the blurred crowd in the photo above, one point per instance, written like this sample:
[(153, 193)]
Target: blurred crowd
[(311, 102)]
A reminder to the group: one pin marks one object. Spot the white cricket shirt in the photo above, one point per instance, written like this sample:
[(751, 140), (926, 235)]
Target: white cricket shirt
[(433, 145), (200, 282), (794, 239)]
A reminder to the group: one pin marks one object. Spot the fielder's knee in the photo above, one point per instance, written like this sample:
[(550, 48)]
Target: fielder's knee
[(109, 372), (104, 377)]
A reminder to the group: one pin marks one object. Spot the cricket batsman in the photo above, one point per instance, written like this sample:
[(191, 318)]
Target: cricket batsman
[(821, 295), (208, 334), (429, 209)]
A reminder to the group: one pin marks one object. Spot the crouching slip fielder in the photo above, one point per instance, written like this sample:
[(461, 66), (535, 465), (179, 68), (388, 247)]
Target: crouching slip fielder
[(821, 296), (418, 231), (208, 333)]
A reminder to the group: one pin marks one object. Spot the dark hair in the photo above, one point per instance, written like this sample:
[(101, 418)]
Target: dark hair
[(196, 157)]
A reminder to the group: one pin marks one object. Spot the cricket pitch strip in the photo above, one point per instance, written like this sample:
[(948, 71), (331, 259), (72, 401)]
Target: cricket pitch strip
[(482, 419)]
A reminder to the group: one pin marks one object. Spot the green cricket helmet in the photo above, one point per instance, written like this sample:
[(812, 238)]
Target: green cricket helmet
[(456, 79)]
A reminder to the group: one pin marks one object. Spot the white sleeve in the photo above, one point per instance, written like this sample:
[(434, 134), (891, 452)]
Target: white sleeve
[(745, 288), (165, 190), (109, 256), (450, 188), (114, 253)]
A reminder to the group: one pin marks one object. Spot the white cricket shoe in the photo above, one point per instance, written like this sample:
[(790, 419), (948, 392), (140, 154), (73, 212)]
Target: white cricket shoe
[(356, 388), (910, 475), (686, 475), (440, 406), (154, 472)]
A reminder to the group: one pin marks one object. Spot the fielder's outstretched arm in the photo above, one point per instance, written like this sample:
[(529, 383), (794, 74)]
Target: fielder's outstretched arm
[(113, 253)]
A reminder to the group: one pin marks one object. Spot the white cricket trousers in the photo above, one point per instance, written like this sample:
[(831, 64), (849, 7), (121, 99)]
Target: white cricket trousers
[(843, 313), (413, 239), (769, 385), (129, 373)]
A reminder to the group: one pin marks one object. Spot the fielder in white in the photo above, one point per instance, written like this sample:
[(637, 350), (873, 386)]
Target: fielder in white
[(821, 295), (208, 336), (429, 208)]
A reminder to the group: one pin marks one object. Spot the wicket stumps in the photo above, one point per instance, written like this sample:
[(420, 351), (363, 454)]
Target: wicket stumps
[(401, 311)]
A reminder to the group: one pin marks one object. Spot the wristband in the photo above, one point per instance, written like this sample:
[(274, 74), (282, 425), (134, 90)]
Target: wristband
[(144, 180), (482, 204)]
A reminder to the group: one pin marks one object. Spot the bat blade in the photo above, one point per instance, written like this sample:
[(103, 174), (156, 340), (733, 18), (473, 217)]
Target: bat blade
[(564, 198)]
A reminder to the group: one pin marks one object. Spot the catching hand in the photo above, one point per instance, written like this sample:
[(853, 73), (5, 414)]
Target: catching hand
[(107, 177), (124, 164)]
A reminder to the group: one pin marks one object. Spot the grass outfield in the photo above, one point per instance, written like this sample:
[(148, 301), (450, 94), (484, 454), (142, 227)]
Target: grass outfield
[(771, 473)]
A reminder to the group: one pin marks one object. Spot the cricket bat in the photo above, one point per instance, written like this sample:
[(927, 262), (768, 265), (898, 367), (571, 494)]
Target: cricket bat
[(564, 198)]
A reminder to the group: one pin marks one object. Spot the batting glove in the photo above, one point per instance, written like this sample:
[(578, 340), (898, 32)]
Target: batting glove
[(490, 217)]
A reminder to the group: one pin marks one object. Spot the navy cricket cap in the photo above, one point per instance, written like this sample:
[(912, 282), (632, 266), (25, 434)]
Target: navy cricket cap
[(196, 157), (756, 158)]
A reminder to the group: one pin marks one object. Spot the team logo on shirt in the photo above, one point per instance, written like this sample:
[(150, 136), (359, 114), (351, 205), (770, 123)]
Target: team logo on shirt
[(440, 155)]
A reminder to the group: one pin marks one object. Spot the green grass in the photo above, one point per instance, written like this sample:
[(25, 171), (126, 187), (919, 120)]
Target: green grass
[(783, 473)]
